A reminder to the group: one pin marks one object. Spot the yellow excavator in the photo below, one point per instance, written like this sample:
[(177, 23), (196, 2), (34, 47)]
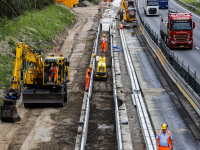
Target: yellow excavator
[(129, 19), (40, 87)]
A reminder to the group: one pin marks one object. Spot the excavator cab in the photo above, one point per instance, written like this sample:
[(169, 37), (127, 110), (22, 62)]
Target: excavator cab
[(62, 73), (131, 13), (48, 75)]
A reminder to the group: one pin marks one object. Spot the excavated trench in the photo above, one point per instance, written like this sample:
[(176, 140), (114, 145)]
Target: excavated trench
[(101, 129)]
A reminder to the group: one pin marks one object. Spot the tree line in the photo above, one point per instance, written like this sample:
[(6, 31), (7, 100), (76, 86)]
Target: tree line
[(14, 8)]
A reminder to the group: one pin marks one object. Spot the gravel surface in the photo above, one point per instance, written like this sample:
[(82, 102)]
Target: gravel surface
[(101, 129)]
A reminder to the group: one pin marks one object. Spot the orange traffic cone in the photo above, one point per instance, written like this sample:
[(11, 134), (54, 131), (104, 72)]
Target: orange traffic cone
[(56, 49), (121, 26)]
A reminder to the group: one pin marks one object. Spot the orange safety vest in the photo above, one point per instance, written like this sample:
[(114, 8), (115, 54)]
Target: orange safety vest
[(168, 136), (54, 69), (87, 73), (103, 39)]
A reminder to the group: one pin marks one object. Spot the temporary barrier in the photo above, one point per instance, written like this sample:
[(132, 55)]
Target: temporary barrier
[(69, 3)]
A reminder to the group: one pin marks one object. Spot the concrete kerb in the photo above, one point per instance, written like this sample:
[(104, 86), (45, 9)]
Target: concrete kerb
[(118, 128), (141, 108), (186, 90)]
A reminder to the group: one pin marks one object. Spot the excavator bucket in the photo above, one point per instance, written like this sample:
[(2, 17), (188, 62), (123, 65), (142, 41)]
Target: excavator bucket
[(9, 111)]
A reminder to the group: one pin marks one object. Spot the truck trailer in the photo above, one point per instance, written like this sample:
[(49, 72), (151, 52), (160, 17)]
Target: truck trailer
[(151, 7), (177, 30)]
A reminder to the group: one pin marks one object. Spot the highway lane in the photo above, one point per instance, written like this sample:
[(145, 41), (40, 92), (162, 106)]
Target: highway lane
[(189, 57)]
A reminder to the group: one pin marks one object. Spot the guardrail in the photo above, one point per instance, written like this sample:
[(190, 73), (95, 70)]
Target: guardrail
[(188, 5), (182, 76), (118, 128), (85, 128), (138, 100)]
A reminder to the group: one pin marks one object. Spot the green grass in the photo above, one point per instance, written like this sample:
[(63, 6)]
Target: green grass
[(192, 2), (189, 1), (32, 28)]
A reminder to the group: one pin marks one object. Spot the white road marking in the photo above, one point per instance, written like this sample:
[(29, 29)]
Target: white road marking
[(197, 48), (185, 9)]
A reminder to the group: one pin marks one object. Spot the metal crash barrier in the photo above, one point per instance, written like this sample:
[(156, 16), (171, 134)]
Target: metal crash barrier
[(118, 128), (85, 128), (185, 79), (137, 98)]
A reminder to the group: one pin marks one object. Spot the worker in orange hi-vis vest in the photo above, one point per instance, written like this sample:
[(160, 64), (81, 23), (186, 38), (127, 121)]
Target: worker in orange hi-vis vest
[(87, 78), (53, 71), (104, 41), (164, 139)]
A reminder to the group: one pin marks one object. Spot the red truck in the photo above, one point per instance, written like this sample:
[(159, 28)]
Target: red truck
[(177, 30)]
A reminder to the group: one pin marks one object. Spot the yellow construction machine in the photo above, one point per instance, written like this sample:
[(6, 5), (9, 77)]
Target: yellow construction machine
[(129, 19), (39, 88), (101, 74)]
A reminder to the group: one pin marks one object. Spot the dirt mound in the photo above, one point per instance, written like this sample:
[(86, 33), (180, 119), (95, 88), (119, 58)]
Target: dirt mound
[(84, 4)]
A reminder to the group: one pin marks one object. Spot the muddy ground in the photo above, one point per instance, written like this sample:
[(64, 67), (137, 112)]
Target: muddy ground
[(56, 128), (101, 128)]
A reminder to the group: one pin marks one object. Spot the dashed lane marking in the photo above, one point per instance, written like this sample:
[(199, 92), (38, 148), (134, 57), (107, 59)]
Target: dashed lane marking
[(197, 48)]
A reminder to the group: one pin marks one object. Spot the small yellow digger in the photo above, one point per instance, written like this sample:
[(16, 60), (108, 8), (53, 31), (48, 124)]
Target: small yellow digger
[(101, 74)]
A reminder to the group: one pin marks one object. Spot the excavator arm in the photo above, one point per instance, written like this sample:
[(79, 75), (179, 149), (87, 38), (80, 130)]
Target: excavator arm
[(29, 56), (127, 16), (8, 109)]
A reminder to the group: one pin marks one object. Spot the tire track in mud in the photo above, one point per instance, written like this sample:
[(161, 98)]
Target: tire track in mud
[(55, 128), (32, 117), (65, 130)]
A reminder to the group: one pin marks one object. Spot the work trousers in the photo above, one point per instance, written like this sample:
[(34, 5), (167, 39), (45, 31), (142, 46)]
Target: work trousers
[(87, 83), (104, 47), (163, 148), (54, 76)]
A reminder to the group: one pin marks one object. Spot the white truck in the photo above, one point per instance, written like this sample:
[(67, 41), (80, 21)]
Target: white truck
[(151, 7)]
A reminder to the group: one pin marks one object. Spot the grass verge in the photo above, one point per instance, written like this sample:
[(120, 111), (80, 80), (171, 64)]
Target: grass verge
[(35, 28), (191, 2)]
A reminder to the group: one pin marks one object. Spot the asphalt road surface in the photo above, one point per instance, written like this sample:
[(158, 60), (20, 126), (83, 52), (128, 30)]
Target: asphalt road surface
[(190, 57)]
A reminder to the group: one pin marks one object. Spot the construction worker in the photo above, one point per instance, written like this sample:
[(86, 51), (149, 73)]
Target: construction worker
[(115, 18), (164, 139), (53, 72), (104, 41), (96, 57), (87, 78)]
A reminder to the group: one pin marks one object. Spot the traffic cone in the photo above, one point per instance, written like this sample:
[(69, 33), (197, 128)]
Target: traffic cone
[(56, 49), (121, 26)]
